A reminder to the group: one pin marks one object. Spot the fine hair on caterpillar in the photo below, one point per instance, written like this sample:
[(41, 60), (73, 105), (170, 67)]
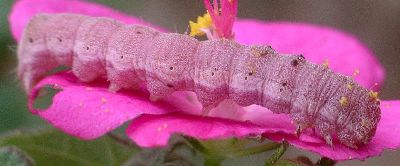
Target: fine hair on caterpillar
[(131, 56)]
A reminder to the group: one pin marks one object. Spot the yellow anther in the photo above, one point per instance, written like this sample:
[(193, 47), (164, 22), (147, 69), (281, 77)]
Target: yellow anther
[(356, 72), (326, 63), (343, 101), (203, 22), (103, 100)]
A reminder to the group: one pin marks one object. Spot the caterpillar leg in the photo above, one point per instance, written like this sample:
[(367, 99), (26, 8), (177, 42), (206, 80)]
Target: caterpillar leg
[(325, 129), (87, 71), (207, 109), (328, 140)]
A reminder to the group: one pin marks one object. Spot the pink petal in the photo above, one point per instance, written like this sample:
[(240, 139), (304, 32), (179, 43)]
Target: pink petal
[(23, 10), (344, 52), (89, 110), (154, 130)]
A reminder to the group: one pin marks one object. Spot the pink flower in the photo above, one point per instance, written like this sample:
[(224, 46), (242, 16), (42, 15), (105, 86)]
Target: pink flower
[(223, 17), (88, 111)]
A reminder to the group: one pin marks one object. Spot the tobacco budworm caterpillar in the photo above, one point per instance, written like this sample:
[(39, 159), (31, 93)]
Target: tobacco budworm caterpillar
[(130, 56)]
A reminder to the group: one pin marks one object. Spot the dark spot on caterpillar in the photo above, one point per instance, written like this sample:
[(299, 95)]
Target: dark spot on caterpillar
[(30, 40), (250, 73), (87, 48), (122, 57), (301, 57), (212, 73), (171, 68), (170, 86), (59, 39), (138, 32), (245, 78), (284, 84), (294, 62), (280, 90)]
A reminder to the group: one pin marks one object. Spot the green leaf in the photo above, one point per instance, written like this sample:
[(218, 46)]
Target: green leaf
[(12, 156), (285, 163), (176, 153), (277, 154), (52, 147)]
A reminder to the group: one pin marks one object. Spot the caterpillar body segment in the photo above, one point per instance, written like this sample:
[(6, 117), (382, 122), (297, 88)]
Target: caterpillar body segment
[(131, 56), (126, 54)]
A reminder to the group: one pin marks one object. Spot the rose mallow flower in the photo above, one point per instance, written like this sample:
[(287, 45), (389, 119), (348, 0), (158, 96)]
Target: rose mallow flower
[(89, 110)]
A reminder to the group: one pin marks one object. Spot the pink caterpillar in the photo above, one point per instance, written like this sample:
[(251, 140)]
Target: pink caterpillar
[(130, 56)]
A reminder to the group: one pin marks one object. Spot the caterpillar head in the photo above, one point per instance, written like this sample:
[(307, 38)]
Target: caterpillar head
[(32, 51), (362, 124), (61, 36), (171, 65)]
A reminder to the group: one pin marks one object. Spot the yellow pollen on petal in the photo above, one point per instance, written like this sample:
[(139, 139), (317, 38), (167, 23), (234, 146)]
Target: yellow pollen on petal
[(203, 22), (103, 100), (326, 63), (356, 72), (343, 101)]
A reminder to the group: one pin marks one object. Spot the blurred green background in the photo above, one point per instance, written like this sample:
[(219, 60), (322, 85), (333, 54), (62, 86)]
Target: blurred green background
[(376, 23)]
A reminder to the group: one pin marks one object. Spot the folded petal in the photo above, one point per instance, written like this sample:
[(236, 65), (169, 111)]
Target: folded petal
[(344, 53), (154, 130), (23, 10), (90, 110)]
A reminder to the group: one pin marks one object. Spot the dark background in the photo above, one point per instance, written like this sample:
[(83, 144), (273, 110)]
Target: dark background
[(376, 23)]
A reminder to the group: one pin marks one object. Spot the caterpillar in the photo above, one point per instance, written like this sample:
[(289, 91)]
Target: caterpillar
[(331, 104)]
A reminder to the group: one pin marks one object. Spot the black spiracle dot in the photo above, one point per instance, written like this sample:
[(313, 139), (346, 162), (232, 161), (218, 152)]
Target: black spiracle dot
[(122, 57), (284, 84), (138, 32), (171, 68), (245, 78), (87, 48), (59, 39), (250, 73), (280, 90), (170, 86), (30, 40), (212, 73), (294, 62)]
